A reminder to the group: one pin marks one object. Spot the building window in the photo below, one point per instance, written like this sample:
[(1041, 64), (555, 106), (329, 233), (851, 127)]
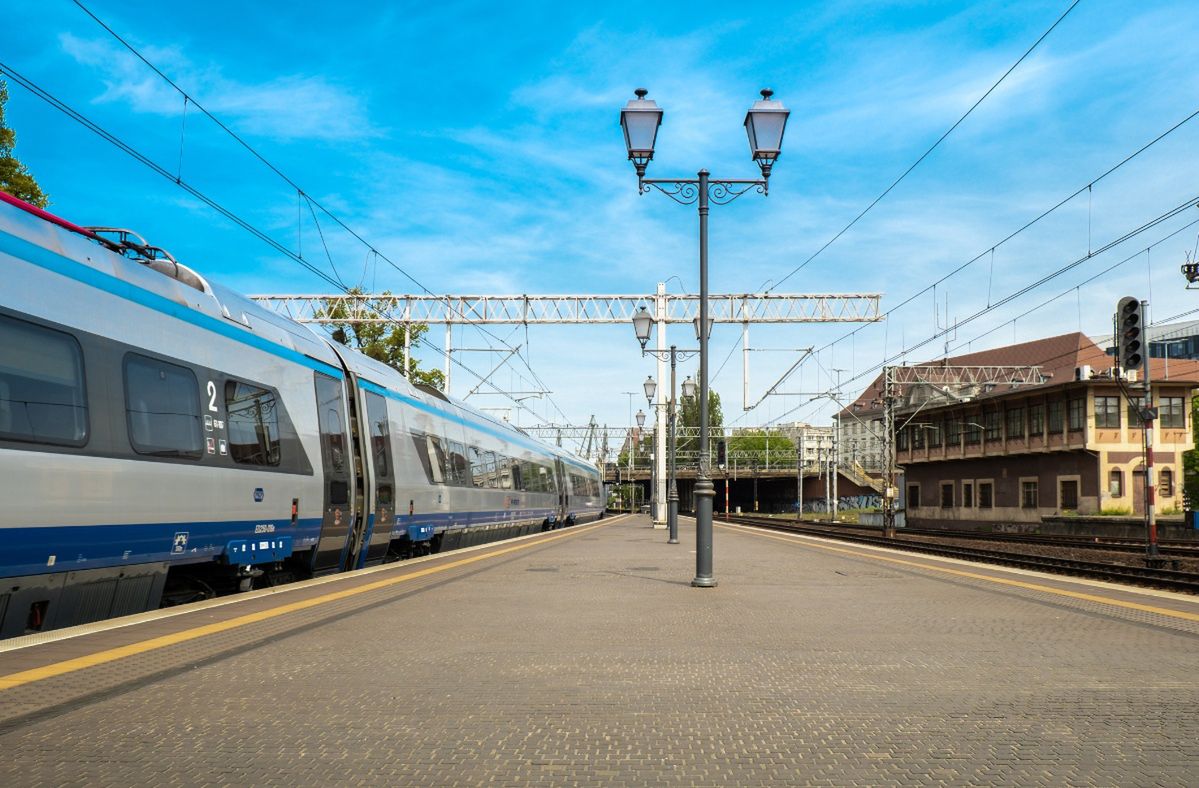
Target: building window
[(986, 495), (1115, 483), (1134, 412), (253, 418), (1036, 421), (954, 433), (1167, 484), (991, 420), (1028, 494), (1069, 494), (42, 397), (935, 434), (1056, 413), (1107, 413), (946, 495), (1015, 423), (1077, 413), (967, 494), (162, 406), (913, 496), (901, 439), (1171, 413), (918, 436), (973, 432)]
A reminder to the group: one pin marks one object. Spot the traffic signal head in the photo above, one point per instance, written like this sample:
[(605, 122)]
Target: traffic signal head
[(722, 453), (1130, 329)]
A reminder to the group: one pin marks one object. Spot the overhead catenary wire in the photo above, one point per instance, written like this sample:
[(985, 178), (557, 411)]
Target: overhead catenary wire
[(313, 203), (229, 214), (931, 148), (1194, 202)]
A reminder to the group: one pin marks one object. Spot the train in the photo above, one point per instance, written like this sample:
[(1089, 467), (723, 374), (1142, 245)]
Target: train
[(164, 438)]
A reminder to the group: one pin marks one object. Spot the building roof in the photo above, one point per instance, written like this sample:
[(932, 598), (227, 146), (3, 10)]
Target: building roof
[(1058, 357)]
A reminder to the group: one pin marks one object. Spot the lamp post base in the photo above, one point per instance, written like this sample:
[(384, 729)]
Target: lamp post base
[(704, 492), (672, 518)]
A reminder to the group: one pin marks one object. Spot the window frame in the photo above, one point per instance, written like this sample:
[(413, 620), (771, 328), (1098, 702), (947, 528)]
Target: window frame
[(159, 453), (235, 383), (1172, 413), (1115, 483), (80, 367), (1076, 414), (1107, 406), (1014, 422)]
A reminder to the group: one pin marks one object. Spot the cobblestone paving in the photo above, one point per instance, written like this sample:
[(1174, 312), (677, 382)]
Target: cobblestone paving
[(593, 662)]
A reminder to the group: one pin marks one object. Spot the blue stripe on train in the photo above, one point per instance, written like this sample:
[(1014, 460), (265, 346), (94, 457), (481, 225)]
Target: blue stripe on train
[(69, 548)]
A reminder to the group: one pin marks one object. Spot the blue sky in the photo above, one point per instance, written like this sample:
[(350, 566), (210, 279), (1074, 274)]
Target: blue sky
[(477, 145)]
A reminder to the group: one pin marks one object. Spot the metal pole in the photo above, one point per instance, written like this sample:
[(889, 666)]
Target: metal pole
[(704, 491), (449, 338), (659, 507), (828, 497), (672, 496), (888, 452), (799, 478), (837, 449), (1153, 556)]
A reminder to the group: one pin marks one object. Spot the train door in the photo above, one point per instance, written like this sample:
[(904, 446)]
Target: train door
[(382, 506), (563, 491), (363, 509), (337, 514)]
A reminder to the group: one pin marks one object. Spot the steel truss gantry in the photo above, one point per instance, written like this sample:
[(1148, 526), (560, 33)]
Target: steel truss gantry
[(577, 309)]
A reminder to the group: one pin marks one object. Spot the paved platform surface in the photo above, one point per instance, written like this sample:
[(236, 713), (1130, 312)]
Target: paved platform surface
[(588, 659)]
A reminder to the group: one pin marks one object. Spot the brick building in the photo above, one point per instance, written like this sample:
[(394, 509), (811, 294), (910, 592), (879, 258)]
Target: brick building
[(1017, 452)]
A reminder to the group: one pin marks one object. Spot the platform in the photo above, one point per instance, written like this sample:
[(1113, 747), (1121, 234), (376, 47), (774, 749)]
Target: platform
[(584, 657)]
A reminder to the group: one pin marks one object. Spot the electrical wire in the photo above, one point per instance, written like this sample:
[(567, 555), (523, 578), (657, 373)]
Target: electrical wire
[(928, 152), (291, 183), (140, 157)]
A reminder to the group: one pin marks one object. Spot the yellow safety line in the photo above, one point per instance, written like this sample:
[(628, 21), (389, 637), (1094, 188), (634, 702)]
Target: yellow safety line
[(1163, 611), (101, 657)]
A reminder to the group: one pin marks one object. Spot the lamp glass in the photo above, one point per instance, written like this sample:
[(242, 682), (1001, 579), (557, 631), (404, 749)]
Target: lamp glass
[(643, 322), (689, 387), (640, 120), (764, 125), (650, 386), (640, 417), (695, 324)]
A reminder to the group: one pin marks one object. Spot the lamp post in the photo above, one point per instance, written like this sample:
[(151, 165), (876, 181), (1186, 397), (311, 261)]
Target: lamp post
[(640, 423), (642, 327), (764, 125)]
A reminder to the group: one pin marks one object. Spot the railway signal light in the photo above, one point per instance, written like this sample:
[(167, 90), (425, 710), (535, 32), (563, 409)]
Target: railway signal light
[(1130, 339)]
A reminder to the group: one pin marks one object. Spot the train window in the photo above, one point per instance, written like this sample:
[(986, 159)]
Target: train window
[(518, 482), (478, 466), (459, 466), (438, 459), (489, 462), (421, 444), (376, 413), (253, 418), (162, 405), (42, 396), (504, 467), (331, 418)]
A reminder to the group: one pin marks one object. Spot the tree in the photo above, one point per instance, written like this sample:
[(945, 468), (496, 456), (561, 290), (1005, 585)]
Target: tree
[(1190, 464), (755, 446), (381, 341), (688, 424), (14, 177)]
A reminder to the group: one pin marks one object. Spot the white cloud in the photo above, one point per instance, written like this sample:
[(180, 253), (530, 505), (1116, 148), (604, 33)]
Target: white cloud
[(287, 107)]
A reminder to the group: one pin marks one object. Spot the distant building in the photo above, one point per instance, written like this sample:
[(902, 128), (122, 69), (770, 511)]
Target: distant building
[(1168, 341), (1016, 452), (814, 441)]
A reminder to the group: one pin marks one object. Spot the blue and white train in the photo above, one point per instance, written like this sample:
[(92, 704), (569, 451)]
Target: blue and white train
[(162, 436)]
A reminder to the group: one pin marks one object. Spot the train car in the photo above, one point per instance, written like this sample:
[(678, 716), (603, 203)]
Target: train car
[(164, 438)]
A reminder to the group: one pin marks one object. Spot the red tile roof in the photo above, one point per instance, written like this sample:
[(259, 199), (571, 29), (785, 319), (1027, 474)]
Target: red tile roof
[(1057, 357)]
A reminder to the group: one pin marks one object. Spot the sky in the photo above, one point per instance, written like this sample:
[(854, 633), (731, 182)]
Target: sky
[(477, 146)]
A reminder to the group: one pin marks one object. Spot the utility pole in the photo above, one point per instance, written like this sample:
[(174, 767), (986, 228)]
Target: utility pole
[(889, 452), (1149, 413), (799, 477), (837, 448)]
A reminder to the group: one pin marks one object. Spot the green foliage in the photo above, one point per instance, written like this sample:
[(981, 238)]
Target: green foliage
[(751, 447), (642, 453), (688, 422), (1115, 511), (14, 177), (381, 341)]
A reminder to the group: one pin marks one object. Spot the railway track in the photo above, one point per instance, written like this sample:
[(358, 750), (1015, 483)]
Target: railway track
[(1171, 579)]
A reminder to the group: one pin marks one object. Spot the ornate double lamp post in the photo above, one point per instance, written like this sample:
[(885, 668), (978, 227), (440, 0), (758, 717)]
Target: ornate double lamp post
[(642, 325), (764, 125)]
